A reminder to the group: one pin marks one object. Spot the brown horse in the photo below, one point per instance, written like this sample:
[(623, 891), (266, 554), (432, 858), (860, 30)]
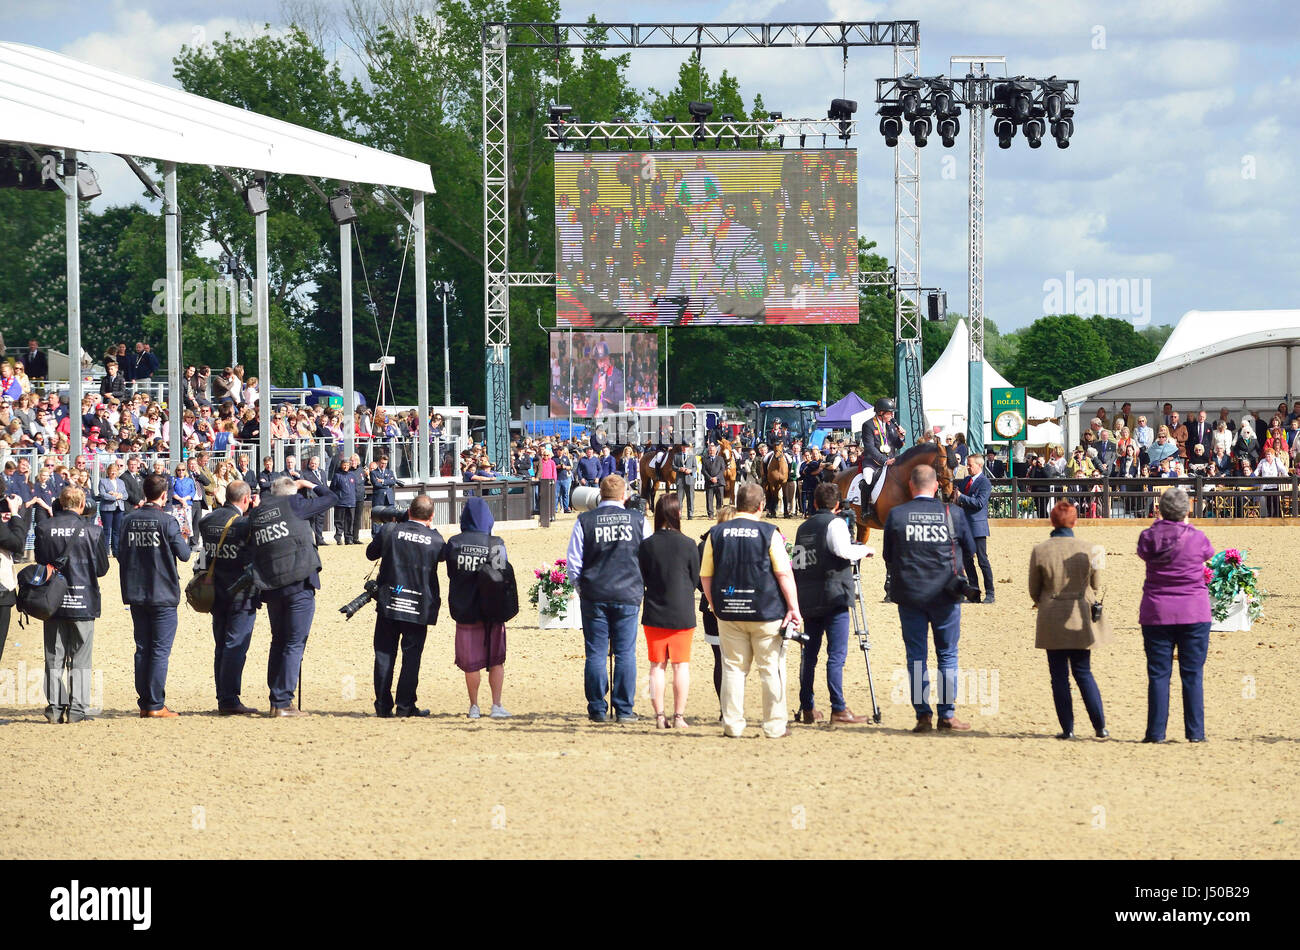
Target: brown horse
[(896, 489), (729, 480), (776, 482), (651, 477)]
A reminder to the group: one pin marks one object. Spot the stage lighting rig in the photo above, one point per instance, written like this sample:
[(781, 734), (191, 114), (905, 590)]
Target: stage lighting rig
[(700, 112), (1063, 128), (891, 123), (841, 111), (560, 116), (946, 111)]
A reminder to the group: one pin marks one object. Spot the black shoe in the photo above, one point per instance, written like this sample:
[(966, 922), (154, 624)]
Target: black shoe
[(597, 717), (1201, 739), (1103, 733), (83, 717), (988, 598), (626, 717), (412, 713), (1065, 735), (384, 713), (56, 714), (1149, 739)]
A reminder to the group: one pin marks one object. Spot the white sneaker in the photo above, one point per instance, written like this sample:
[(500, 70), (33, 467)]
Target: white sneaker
[(473, 712), (499, 712)]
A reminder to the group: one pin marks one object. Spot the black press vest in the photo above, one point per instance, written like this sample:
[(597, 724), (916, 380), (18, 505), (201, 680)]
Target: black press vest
[(611, 572), (284, 549), (463, 554), (234, 554), (408, 573), (744, 587), (824, 580)]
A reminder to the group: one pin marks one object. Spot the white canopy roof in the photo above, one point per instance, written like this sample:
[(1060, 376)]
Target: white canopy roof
[(945, 392), (54, 100), (1202, 328)]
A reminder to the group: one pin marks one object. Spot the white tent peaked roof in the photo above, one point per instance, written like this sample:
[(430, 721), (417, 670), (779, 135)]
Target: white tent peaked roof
[(51, 99), (1198, 329), (945, 388)]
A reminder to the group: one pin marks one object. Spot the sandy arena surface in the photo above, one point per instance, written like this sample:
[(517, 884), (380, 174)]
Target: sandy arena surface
[(548, 783)]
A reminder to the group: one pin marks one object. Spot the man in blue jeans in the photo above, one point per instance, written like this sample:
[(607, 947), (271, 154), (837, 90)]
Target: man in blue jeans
[(603, 565), (922, 538), (822, 560)]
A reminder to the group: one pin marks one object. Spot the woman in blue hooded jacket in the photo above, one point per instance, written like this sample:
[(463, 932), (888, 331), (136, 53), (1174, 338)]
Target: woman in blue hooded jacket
[(480, 645)]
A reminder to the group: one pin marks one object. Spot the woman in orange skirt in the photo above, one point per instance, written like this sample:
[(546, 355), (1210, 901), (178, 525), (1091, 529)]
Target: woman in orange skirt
[(670, 571)]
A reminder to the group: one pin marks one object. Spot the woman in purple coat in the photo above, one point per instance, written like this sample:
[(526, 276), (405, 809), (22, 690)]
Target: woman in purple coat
[(1175, 612)]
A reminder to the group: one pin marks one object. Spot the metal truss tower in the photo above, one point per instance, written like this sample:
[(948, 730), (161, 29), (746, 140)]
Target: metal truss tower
[(907, 264)]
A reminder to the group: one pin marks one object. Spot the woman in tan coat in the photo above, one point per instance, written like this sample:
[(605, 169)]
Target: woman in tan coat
[(1065, 582)]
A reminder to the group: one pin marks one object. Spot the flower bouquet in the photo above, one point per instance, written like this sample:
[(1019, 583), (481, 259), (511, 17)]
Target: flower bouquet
[(557, 601), (1236, 598)]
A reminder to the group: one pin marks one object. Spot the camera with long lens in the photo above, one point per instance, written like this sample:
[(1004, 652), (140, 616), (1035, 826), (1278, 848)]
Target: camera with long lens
[(386, 514), (369, 590), (790, 632), (958, 588)]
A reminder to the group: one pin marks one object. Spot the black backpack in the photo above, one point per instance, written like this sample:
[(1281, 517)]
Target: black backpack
[(498, 594), (41, 589)]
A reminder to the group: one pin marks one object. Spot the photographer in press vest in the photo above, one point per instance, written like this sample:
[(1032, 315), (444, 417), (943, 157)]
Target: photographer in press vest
[(78, 548), (823, 559), (603, 565), (286, 570), (746, 575), (480, 643), (406, 603), (225, 541), (152, 540)]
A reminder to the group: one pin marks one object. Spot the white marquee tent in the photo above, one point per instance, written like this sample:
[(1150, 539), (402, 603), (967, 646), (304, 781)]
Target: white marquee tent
[(1238, 359), (945, 394)]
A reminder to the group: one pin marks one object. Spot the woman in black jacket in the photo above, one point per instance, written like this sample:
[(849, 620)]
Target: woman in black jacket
[(670, 571), (13, 541)]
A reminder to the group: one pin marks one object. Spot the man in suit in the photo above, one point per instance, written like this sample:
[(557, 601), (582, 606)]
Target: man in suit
[(1180, 434), (973, 500), (358, 473), (1199, 432), (290, 468), (312, 473), (382, 481), (35, 363), (684, 466), (133, 479), (714, 467)]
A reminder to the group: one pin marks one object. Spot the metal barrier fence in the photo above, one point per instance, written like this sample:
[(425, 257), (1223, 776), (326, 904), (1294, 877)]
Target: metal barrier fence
[(1105, 497)]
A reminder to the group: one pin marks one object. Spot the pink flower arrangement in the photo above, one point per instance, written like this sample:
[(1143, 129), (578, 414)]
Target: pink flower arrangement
[(1209, 575), (557, 577), (1232, 556), (561, 562), (553, 587)]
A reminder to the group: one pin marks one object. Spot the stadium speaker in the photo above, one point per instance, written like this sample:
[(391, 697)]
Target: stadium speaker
[(586, 498), (341, 209), (938, 305)]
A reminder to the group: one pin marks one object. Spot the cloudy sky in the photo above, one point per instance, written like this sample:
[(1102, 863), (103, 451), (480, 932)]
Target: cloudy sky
[(1182, 171)]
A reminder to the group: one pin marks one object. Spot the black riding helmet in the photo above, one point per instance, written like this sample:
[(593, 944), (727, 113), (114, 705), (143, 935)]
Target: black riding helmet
[(885, 404)]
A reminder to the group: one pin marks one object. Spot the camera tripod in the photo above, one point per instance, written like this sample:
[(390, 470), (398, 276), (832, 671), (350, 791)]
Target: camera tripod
[(858, 615)]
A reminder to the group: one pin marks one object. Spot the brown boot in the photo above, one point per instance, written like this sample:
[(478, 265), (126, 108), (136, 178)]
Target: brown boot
[(846, 715), (809, 716), (924, 723), (955, 724), (163, 713)]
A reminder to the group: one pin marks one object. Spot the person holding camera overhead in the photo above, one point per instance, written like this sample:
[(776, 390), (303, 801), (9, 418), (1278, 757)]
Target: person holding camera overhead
[(928, 582), (70, 633), (746, 575), (406, 603), (224, 535), (286, 571), (1065, 576), (150, 544), (14, 519), (480, 641)]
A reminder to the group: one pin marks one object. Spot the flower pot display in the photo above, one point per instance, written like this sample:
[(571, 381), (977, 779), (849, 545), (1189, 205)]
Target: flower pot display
[(1236, 598), (556, 599)]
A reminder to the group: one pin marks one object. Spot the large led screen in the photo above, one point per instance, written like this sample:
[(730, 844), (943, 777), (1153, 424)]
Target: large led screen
[(597, 373), (690, 237)]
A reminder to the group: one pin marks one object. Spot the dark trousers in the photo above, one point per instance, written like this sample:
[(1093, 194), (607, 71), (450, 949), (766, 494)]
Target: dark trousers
[(112, 521), (1193, 642), (342, 523), (6, 611), (686, 495), (155, 629), (713, 497), (945, 618), (982, 554), (357, 512), (605, 626), (1059, 665), (388, 633), (318, 527), (710, 623), (232, 631), (290, 614), (835, 627), (806, 496)]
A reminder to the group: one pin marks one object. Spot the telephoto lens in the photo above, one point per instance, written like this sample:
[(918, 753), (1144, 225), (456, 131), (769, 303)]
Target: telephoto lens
[(790, 632), (385, 514), (586, 498), (349, 610)]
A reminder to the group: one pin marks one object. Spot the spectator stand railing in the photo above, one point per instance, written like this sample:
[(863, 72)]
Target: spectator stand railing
[(1136, 498)]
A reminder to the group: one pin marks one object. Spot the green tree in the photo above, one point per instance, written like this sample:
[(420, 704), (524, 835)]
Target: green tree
[(1128, 348), (1057, 352)]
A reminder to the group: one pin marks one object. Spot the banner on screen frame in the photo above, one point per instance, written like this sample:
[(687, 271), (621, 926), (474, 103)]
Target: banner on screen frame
[(593, 374), (677, 238)]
